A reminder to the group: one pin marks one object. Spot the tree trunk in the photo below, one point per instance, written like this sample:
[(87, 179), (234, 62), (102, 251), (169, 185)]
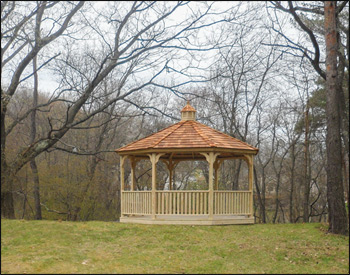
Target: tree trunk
[(261, 204), (7, 207), (235, 185), (337, 216), (263, 194), (33, 166), (291, 195), (36, 190), (306, 165), (277, 201)]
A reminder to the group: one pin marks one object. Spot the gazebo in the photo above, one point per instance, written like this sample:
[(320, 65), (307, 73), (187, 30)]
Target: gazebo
[(187, 140)]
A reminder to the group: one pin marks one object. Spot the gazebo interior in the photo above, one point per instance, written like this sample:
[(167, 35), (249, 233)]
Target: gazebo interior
[(187, 140)]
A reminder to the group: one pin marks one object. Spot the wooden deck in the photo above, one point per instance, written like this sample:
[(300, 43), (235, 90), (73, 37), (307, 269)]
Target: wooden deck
[(188, 219), (187, 207)]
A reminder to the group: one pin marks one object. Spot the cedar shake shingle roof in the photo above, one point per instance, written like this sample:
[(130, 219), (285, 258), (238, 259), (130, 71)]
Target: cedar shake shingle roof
[(188, 134)]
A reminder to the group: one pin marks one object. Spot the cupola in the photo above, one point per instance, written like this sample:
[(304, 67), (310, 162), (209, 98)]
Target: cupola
[(188, 112)]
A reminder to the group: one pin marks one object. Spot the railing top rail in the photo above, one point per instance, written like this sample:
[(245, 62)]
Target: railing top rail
[(183, 191), (138, 191), (232, 191)]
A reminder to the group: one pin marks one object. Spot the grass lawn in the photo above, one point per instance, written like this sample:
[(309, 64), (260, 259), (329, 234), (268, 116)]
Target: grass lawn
[(110, 247)]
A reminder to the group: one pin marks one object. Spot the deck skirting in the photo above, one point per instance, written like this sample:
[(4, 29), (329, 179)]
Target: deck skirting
[(188, 219)]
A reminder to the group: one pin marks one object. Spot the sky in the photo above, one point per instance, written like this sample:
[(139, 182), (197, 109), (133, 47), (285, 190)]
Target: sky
[(48, 81)]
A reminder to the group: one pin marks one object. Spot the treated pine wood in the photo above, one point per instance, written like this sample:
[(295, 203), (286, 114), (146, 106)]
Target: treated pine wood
[(122, 185), (182, 150), (158, 202), (210, 157), (154, 157), (189, 220), (162, 198), (226, 202), (217, 165), (167, 203), (190, 156), (170, 203), (135, 202), (143, 204), (184, 203), (177, 203), (193, 203), (249, 160), (133, 162), (122, 160)]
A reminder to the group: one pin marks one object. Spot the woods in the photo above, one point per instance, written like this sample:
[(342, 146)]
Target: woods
[(81, 79)]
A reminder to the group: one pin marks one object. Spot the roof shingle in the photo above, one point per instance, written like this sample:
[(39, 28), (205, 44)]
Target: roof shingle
[(187, 134)]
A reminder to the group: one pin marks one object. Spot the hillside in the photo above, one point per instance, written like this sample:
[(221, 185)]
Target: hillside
[(110, 247)]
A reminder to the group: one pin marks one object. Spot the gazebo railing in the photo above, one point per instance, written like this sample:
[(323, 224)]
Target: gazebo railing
[(136, 202), (232, 202), (182, 202), (186, 202)]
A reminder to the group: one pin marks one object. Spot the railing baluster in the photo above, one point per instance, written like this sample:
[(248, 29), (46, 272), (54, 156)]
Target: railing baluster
[(229, 203), (202, 203), (214, 202), (244, 203), (193, 203), (247, 203), (177, 203), (174, 203), (225, 208), (206, 203)]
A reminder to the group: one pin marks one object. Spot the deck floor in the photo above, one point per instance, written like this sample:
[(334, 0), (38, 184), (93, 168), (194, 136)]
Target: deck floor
[(189, 219)]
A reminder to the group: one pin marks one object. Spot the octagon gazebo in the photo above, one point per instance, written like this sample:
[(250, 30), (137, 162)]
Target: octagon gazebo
[(185, 141)]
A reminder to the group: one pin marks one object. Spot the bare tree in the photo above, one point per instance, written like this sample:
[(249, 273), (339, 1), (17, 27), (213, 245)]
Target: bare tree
[(15, 41), (136, 39), (33, 165)]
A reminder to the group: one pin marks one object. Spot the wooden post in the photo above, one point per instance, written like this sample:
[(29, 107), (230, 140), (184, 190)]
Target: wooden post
[(217, 165), (122, 185), (210, 157), (133, 162), (154, 157), (249, 160)]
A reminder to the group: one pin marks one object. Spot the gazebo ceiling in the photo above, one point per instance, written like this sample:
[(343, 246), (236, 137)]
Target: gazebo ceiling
[(188, 135)]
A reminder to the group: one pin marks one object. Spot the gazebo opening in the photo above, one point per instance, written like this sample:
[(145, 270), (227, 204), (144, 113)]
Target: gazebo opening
[(164, 200)]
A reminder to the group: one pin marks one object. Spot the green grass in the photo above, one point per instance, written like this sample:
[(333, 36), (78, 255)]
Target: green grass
[(110, 247)]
